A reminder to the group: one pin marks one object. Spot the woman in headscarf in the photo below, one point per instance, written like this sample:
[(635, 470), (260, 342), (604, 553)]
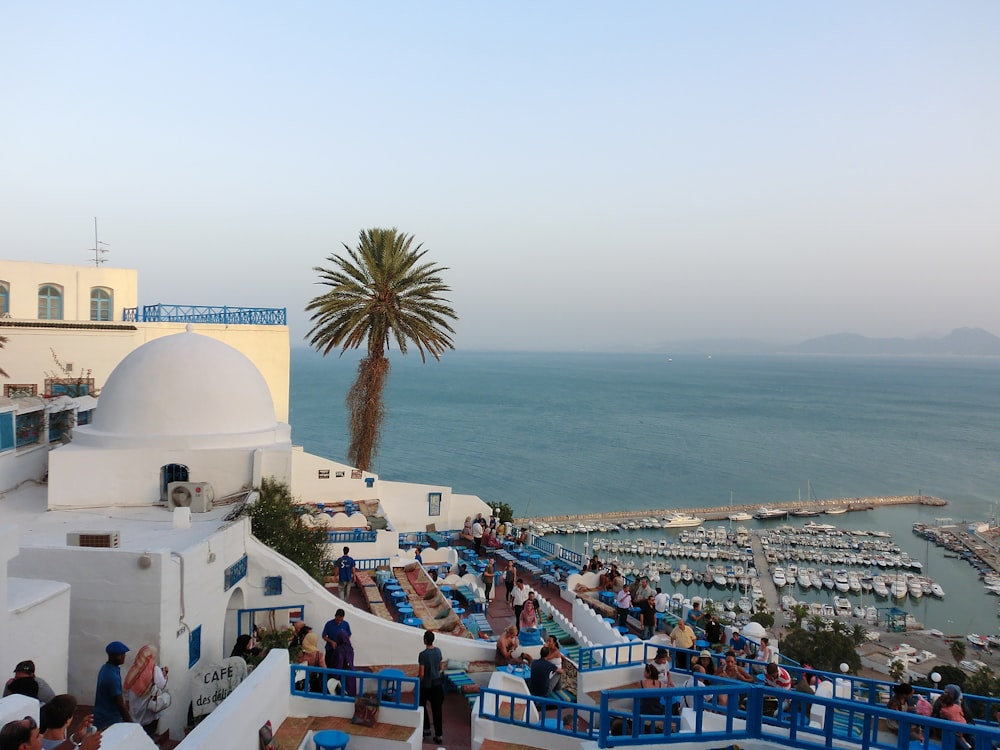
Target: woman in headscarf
[(343, 658), (312, 656), (952, 706), (143, 676)]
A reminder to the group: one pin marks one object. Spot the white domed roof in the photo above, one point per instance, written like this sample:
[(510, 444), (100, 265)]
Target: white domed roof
[(185, 385)]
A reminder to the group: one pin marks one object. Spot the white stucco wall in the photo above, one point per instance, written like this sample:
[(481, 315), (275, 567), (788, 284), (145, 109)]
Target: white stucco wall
[(113, 598), (406, 504), (82, 476), (307, 487)]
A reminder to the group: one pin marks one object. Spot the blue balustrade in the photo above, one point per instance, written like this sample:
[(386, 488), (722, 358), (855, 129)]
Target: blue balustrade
[(358, 536), (397, 691), (224, 315)]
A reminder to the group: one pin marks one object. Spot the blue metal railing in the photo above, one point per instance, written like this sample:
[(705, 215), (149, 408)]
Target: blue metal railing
[(726, 711), (551, 715), (257, 316), (355, 535), (575, 558), (543, 545), (394, 691)]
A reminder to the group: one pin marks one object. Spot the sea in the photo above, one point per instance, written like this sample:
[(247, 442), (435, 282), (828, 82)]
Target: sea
[(585, 433)]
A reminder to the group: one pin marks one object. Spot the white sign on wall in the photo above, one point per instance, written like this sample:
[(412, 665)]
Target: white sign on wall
[(214, 682)]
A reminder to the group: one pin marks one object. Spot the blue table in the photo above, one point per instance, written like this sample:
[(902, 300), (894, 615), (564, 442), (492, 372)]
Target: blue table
[(391, 690), (330, 739), (530, 637), (405, 610), (413, 622)]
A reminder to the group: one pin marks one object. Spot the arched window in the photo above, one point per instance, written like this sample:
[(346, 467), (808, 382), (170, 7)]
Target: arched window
[(4, 298), (171, 473), (101, 303), (50, 302)]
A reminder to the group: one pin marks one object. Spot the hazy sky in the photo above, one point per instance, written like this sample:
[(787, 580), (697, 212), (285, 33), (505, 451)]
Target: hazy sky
[(592, 174)]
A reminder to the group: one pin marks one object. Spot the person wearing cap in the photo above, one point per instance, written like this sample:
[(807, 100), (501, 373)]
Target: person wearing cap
[(109, 699), (26, 682)]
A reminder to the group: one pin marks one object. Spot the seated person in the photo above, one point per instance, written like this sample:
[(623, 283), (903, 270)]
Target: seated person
[(902, 700), (776, 676), (507, 644), (543, 674), (704, 664), (733, 671), (661, 663)]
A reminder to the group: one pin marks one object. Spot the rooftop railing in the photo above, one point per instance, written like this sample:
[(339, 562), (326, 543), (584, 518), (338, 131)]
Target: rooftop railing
[(249, 316)]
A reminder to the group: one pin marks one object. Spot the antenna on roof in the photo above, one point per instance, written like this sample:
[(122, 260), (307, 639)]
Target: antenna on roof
[(99, 247)]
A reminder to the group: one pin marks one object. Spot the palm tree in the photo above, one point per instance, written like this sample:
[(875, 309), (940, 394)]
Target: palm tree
[(799, 613), (957, 649), (859, 634), (379, 292)]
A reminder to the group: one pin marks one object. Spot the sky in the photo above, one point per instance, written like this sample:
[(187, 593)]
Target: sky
[(592, 175)]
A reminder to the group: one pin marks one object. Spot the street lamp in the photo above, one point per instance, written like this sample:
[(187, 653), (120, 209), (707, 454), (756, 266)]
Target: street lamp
[(935, 678), (845, 667)]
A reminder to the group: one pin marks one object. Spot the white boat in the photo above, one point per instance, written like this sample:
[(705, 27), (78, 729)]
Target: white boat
[(817, 528), (937, 591), (898, 588), (766, 513), (841, 581), (740, 516), (836, 511), (681, 521), (979, 641), (879, 586), (842, 606), (779, 577)]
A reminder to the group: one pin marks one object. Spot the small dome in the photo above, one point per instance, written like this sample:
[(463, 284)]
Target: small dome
[(184, 385)]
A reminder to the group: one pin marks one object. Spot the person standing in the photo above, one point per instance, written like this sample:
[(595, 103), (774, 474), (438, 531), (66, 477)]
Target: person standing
[(330, 631), (143, 679), (109, 699), (682, 637), (623, 601), (518, 597), (488, 580), (345, 573), (430, 670), (508, 581), (647, 615), (477, 535)]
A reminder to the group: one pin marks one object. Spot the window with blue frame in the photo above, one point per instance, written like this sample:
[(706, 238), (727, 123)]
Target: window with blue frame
[(60, 423), (50, 302), (101, 303), (84, 417), (28, 428), (4, 298), (194, 647), (6, 431)]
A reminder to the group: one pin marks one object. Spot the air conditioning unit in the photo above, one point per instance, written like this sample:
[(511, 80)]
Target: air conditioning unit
[(96, 539), (198, 496)]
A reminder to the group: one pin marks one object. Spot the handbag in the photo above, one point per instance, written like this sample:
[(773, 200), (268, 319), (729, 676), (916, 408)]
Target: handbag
[(159, 700), (366, 710)]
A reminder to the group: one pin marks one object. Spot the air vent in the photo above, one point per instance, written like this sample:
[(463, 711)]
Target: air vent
[(96, 539)]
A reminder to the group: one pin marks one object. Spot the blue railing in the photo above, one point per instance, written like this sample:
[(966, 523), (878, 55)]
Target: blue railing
[(550, 715), (575, 558), (394, 691), (728, 711), (543, 545), (254, 316), (371, 563), (355, 535)]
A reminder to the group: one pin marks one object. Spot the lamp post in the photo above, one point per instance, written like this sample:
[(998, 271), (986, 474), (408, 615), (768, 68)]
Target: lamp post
[(935, 678)]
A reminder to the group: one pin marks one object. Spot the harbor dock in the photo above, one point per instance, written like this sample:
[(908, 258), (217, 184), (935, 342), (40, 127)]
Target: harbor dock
[(721, 513)]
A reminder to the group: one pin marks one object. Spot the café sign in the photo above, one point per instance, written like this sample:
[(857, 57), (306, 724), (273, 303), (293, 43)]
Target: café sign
[(214, 682)]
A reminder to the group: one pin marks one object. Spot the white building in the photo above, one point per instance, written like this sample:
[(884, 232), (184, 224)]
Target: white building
[(177, 407)]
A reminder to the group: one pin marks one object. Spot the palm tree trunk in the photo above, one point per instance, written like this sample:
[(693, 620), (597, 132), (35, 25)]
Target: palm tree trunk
[(367, 409)]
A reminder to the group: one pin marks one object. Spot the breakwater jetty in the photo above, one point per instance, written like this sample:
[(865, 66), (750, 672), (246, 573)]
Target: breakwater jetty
[(722, 512)]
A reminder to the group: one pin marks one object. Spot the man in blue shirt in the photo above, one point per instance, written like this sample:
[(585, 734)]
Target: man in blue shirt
[(109, 703), (330, 631), (345, 573)]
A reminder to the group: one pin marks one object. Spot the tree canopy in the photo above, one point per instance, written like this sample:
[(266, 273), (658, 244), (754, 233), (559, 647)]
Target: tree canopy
[(380, 292)]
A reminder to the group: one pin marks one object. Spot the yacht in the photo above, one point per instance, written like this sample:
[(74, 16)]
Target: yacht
[(765, 513), (740, 516), (779, 577), (681, 521), (836, 511)]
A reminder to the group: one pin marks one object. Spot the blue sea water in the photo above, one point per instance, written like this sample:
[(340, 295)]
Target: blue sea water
[(578, 433), (585, 433)]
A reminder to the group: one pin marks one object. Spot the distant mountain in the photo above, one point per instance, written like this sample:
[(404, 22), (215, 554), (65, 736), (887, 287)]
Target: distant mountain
[(961, 341)]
